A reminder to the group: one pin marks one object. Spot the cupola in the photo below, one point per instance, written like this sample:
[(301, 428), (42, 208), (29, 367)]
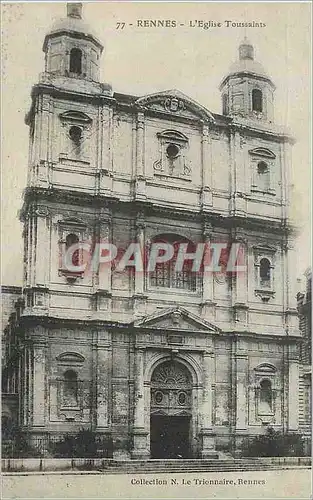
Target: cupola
[(71, 47), (247, 90)]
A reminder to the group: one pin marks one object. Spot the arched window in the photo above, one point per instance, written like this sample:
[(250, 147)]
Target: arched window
[(263, 176), (165, 275), (266, 397), (76, 61), (257, 100), (73, 239), (225, 104), (70, 389), (265, 272)]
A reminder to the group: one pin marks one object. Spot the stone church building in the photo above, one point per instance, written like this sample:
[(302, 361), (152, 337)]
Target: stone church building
[(165, 363)]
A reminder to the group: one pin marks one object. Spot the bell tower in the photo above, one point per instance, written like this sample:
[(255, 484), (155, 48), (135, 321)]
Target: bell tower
[(247, 91), (71, 49)]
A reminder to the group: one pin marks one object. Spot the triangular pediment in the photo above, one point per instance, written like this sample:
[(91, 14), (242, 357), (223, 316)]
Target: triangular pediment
[(175, 318), (175, 103)]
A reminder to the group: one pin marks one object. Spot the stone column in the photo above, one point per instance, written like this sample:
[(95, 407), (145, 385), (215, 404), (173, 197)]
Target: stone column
[(140, 449), (293, 388), (238, 178), (207, 199), (286, 160), (140, 190), (106, 160), (39, 384), (140, 239), (208, 436), (240, 280), (42, 248), (30, 257), (208, 305), (26, 385), (140, 145), (290, 264), (103, 373), (241, 391), (105, 269), (139, 276)]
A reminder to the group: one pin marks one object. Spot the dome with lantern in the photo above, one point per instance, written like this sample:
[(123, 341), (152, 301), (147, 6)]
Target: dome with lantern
[(246, 64), (74, 25)]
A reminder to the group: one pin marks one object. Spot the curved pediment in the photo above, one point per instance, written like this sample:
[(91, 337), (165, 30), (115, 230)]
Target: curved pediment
[(75, 116), (70, 357), (265, 368), (264, 152), (72, 222), (176, 103)]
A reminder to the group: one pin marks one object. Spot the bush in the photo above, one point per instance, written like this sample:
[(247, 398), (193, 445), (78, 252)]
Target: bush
[(18, 446), (84, 444), (274, 444)]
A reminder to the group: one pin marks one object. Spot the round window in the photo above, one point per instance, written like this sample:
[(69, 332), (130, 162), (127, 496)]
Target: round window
[(172, 151), (75, 134), (158, 397), (182, 398)]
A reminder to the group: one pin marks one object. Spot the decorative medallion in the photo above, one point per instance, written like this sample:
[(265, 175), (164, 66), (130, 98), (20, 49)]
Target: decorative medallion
[(174, 105)]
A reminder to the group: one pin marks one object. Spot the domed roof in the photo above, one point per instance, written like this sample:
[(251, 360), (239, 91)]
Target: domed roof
[(73, 23), (246, 63), (247, 66)]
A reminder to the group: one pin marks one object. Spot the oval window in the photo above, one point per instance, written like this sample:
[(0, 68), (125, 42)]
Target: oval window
[(158, 397), (172, 151), (182, 398)]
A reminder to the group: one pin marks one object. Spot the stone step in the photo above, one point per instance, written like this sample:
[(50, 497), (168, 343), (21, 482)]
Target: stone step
[(110, 466), (169, 470), (192, 465)]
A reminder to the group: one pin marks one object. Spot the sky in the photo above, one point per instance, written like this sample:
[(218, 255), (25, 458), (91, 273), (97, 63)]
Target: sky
[(141, 61)]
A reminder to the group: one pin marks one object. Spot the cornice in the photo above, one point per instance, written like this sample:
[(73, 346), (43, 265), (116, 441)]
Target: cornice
[(47, 321), (132, 104), (33, 195)]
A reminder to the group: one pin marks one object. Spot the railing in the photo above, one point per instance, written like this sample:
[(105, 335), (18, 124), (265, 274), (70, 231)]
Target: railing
[(58, 446)]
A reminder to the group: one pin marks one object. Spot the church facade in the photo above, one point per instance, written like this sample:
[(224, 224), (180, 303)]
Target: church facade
[(164, 363)]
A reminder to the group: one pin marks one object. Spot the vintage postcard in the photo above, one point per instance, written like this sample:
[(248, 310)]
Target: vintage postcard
[(156, 229)]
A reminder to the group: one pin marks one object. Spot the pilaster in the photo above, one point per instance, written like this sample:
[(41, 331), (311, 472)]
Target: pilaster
[(140, 182), (39, 384), (238, 205), (241, 367), (208, 436), (140, 448), (239, 263), (208, 304), (207, 197), (42, 247), (139, 276), (105, 268), (103, 384), (293, 388), (106, 159)]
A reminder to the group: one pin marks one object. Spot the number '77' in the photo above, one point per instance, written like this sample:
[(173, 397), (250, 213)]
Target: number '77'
[(120, 26)]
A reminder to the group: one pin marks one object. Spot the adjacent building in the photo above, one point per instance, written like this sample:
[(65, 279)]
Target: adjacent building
[(304, 300)]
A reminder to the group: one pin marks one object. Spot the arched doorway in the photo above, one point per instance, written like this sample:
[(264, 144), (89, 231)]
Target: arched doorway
[(170, 411)]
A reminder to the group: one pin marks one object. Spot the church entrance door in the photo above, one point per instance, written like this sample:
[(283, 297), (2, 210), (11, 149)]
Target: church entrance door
[(171, 411), (170, 436)]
